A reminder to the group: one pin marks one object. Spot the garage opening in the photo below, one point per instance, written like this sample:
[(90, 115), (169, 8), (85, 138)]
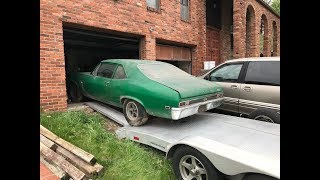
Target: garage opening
[(178, 56), (85, 48)]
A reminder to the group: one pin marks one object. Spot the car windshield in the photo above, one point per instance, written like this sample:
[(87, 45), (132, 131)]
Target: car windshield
[(203, 72), (162, 71)]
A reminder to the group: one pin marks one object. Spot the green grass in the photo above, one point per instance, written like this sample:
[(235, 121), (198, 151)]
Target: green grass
[(122, 159)]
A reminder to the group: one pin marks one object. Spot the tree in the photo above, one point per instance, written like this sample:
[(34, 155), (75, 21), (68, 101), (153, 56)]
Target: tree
[(276, 5), (268, 1)]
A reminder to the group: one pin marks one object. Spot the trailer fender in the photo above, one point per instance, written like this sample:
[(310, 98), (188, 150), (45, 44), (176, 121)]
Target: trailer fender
[(227, 159)]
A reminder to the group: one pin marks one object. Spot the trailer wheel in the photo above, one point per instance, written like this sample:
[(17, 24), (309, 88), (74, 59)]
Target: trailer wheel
[(257, 177), (134, 113), (189, 163)]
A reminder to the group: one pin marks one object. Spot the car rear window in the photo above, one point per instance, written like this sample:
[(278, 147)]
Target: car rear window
[(162, 70), (119, 74), (263, 73)]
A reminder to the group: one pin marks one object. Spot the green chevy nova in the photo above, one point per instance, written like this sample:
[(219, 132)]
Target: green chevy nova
[(143, 88)]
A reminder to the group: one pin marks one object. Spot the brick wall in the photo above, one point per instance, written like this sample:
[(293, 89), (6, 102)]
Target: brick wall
[(239, 23), (129, 16), (213, 45), (132, 16)]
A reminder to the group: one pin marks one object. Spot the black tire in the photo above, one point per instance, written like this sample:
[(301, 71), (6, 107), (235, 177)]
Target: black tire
[(273, 115), (75, 93), (185, 151), (141, 114), (258, 177)]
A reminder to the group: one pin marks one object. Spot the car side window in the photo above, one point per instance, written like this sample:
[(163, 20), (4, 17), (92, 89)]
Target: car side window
[(106, 70), (227, 73), (94, 72), (119, 74), (263, 73)]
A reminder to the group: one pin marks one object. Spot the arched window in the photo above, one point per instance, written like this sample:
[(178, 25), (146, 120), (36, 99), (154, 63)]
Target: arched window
[(274, 47), (250, 32), (264, 43)]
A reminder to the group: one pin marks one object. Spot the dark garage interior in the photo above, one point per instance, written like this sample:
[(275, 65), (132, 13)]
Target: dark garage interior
[(84, 49)]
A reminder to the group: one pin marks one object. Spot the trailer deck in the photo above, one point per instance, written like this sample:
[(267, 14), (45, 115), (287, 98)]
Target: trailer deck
[(233, 144)]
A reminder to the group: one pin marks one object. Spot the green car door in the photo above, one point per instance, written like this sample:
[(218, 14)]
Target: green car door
[(101, 82), (88, 82), (118, 86)]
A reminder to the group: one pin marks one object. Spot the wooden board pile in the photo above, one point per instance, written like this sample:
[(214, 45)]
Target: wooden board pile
[(66, 160)]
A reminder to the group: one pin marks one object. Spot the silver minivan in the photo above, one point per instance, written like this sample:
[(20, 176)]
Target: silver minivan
[(251, 87)]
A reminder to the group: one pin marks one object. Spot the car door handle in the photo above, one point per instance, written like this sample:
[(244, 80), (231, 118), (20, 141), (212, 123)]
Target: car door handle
[(234, 87), (107, 83), (247, 88)]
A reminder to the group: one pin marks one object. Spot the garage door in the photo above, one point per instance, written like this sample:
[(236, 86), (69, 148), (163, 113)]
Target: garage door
[(175, 55)]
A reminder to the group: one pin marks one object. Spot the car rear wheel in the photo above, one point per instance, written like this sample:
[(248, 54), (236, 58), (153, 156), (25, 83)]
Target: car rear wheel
[(189, 163), (75, 93), (134, 113), (265, 115)]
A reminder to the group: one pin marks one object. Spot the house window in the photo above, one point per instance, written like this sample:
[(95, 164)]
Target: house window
[(153, 4), (213, 13), (184, 10)]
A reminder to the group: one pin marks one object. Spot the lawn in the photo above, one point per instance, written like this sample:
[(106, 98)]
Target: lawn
[(122, 159)]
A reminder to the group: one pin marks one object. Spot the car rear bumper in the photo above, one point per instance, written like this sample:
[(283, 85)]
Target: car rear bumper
[(178, 113)]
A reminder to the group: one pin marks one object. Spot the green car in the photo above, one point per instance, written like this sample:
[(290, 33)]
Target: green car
[(145, 87)]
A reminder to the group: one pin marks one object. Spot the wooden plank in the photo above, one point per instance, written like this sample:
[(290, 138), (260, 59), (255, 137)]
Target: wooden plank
[(55, 169), (47, 142), (88, 169), (99, 168), (58, 160), (87, 157)]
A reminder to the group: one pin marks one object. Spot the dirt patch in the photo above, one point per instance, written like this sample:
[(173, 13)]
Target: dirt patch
[(76, 106), (111, 125), (108, 124), (88, 110)]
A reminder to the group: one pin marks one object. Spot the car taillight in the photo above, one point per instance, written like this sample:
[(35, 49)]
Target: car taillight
[(219, 95), (183, 103)]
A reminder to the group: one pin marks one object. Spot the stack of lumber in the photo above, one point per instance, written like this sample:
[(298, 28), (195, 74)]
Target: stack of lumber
[(65, 159)]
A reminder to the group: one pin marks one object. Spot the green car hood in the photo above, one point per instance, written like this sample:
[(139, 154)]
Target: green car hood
[(190, 86)]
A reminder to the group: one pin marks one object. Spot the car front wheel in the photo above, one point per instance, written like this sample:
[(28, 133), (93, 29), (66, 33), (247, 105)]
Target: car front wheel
[(75, 93), (134, 113)]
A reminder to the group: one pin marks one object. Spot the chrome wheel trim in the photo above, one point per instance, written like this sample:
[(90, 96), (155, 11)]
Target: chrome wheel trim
[(132, 111), (192, 169)]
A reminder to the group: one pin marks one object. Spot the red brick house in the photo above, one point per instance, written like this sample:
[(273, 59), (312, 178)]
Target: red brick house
[(78, 34)]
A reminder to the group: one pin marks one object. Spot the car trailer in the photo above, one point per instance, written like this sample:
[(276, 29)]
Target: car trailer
[(209, 145)]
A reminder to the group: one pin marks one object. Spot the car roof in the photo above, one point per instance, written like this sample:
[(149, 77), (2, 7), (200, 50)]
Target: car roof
[(131, 61), (254, 59)]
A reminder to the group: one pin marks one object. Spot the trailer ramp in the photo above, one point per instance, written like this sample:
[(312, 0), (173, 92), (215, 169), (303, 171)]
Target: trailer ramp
[(108, 112)]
